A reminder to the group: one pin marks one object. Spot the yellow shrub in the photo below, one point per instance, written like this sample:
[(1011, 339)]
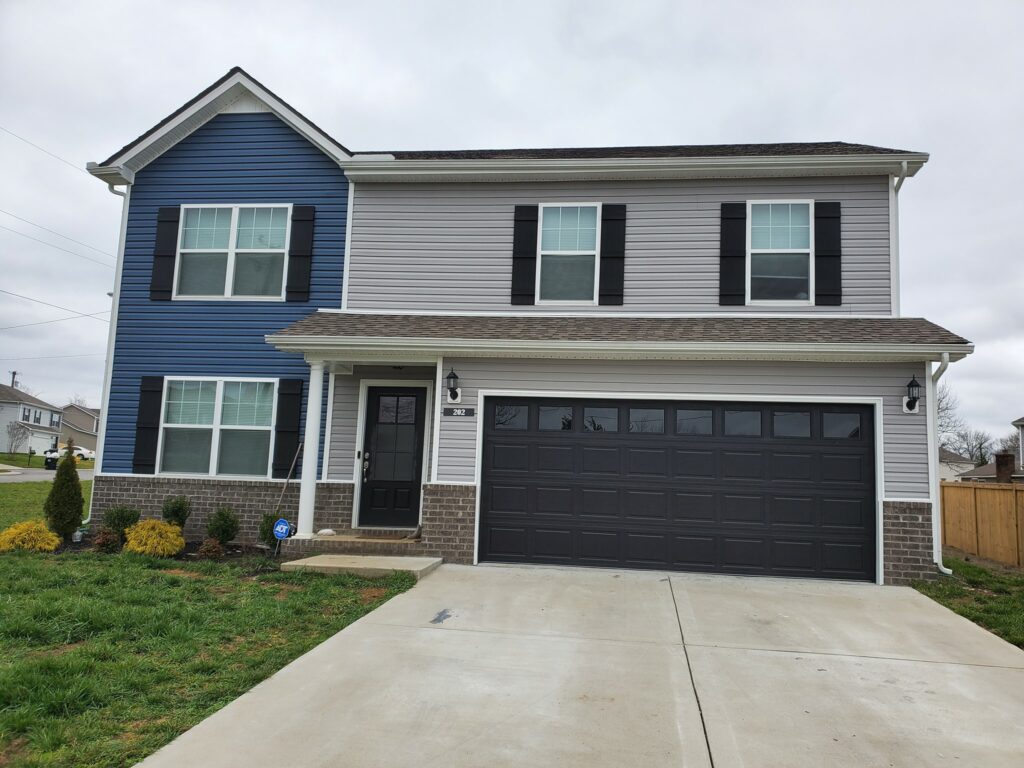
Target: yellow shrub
[(32, 535), (154, 537)]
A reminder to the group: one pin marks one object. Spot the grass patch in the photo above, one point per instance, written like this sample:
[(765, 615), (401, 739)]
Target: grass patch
[(104, 659), (991, 597), (22, 460), (24, 501)]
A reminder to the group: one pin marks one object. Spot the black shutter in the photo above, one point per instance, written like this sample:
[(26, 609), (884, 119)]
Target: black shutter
[(162, 281), (613, 254), (147, 424), (732, 273), (300, 253), (524, 255), (828, 255), (286, 427)]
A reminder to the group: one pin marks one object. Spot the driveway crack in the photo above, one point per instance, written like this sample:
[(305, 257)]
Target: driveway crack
[(689, 669)]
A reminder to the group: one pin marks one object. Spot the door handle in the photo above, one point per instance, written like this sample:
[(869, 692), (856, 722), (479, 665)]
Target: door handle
[(366, 466)]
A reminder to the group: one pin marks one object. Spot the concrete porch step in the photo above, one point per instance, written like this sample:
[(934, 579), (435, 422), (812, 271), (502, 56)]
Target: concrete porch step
[(365, 565), (351, 543)]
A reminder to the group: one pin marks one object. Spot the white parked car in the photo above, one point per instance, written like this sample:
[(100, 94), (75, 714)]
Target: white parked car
[(83, 454)]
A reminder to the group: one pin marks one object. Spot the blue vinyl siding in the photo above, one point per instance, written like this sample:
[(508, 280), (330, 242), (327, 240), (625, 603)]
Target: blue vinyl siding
[(234, 158)]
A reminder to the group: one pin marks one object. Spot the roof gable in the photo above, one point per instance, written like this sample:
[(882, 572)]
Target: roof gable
[(9, 394)]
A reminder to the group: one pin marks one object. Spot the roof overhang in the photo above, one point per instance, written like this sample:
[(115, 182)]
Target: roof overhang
[(373, 348), (236, 91), (384, 168)]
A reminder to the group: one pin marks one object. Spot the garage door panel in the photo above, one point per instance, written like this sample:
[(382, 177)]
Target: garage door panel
[(653, 484)]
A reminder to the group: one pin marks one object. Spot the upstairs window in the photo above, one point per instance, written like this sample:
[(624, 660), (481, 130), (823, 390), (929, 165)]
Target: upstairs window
[(567, 263), (780, 254), (233, 252), (26, 414), (37, 417), (55, 420)]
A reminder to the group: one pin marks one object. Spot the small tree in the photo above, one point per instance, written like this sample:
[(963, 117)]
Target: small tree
[(64, 504), (223, 525), (17, 435), (177, 509)]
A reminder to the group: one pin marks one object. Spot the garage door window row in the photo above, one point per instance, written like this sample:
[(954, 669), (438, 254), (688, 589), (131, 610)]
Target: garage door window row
[(711, 421)]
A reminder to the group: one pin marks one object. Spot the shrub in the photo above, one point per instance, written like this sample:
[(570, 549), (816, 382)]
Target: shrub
[(210, 549), (266, 533), (63, 506), (223, 525), (120, 519), (31, 535), (177, 509), (154, 537), (108, 541)]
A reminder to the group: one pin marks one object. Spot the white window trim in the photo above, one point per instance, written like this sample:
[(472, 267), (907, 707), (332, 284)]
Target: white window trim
[(809, 301), (229, 275), (596, 253), (216, 427)]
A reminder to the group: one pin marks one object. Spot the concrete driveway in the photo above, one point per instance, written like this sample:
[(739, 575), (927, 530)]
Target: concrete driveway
[(513, 666)]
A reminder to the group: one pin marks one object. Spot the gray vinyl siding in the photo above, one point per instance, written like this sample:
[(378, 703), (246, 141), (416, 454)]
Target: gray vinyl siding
[(905, 435), (345, 413), (449, 246)]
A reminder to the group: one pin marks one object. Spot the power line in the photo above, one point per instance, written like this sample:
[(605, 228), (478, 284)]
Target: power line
[(73, 253), (56, 306), (44, 151), (54, 357), (58, 234), (58, 320)]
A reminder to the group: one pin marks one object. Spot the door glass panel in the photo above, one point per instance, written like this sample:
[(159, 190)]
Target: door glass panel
[(791, 424), (406, 410), (511, 416), (647, 420), (555, 417), (387, 410), (394, 452), (386, 437), (840, 426), (693, 422), (600, 419), (743, 423)]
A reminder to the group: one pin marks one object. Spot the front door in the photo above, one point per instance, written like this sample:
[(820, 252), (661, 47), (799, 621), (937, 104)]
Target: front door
[(392, 460)]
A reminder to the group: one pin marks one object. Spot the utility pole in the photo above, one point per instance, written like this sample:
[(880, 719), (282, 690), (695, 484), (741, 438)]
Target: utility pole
[(14, 378)]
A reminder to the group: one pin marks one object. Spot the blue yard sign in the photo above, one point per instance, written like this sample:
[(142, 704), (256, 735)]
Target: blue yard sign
[(282, 529)]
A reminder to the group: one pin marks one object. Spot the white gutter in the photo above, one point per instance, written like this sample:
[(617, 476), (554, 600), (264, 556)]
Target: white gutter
[(933, 462), (894, 238)]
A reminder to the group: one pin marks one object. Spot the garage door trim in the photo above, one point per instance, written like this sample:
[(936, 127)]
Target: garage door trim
[(875, 402)]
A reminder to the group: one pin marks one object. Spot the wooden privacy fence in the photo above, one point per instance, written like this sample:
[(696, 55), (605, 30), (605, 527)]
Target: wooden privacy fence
[(985, 519)]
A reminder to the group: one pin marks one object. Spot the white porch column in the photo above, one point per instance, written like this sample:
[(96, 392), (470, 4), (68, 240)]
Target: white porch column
[(310, 449)]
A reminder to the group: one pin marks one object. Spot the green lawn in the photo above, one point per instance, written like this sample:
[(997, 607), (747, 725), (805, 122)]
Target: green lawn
[(22, 460), (990, 597), (105, 658), (24, 501)]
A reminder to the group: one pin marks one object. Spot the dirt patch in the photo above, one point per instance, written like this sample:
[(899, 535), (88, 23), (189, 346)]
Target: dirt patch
[(60, 650), (283, 590), (137, 728), (182, 572), (369, 595), (12, 751), (984, 562)]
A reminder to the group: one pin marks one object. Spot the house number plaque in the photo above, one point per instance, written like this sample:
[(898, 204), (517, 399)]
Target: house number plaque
[(459, 412)]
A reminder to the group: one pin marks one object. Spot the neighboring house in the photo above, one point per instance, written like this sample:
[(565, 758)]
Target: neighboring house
[(39, 421), (988, 473), (81, 425), (952, 465), (682, 357)]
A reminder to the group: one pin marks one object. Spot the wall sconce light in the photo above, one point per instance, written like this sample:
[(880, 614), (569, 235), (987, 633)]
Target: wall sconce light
[(910, 402), (454, 393)]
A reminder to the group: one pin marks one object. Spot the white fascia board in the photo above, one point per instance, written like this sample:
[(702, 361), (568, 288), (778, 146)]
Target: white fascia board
[(626, 168), (352, 348), (213, 103)]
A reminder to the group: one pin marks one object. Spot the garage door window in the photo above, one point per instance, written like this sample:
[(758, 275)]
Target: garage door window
[(511, 416), (742, 423), (791, 424), (840, 426), (554, 418), (694, 422), (651, 420), (600, 419)]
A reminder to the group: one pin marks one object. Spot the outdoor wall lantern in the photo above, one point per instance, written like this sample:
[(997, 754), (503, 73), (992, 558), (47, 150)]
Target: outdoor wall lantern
[(454, 393), (913, 396)]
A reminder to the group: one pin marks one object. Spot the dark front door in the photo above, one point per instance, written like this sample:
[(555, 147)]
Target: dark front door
[(784, 489), (392, 461)]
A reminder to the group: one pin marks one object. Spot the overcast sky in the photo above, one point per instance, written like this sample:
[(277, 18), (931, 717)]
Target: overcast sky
[(81, 79)]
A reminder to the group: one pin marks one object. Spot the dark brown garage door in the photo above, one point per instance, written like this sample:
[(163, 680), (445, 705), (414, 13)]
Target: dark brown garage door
[(756, 488)]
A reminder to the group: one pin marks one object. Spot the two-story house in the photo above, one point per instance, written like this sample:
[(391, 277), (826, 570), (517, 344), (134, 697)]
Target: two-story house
[(26, 422), (81, 425), (674, 357)]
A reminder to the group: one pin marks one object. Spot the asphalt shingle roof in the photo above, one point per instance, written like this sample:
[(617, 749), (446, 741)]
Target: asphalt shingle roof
[(9, 394)]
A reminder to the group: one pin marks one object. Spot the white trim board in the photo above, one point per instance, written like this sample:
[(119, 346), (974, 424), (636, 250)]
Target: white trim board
[(357, 460), (875, 402)]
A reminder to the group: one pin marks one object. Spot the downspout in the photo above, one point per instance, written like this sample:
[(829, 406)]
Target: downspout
[(111, 334), (933, 461), (894, 235)]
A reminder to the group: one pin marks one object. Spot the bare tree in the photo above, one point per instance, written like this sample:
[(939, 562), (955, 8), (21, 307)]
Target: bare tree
[(17, 436), (1009, 444), (79, 400), (974, 444), (949, 420)]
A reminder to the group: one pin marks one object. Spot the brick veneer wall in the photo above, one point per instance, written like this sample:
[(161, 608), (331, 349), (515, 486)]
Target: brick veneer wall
[(449, 521), (250, 499), (907, 542)]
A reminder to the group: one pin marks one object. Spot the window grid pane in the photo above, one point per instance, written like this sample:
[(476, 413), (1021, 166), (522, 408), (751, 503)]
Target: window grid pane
[(190, 402), (247, 403), (261, 228), (206, 228), (569, 228)]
